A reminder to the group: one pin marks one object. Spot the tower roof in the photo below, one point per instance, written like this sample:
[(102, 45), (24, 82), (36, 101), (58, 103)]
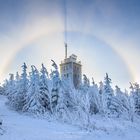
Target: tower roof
[(71, 58)]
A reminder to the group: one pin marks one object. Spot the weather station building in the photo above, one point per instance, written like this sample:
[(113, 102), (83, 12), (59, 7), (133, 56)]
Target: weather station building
[(71, 69)]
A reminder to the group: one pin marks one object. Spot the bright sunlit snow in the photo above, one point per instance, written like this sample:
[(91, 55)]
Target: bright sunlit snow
[(21, 127)]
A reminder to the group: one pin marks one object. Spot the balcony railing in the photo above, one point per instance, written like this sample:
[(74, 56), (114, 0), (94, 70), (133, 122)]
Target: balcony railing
[(70, 60)]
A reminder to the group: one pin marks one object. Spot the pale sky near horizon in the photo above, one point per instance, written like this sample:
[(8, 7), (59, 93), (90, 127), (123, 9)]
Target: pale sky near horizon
[(104, 34)]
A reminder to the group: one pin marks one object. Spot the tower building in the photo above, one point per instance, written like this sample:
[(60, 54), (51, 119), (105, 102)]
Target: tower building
[(71, 69)]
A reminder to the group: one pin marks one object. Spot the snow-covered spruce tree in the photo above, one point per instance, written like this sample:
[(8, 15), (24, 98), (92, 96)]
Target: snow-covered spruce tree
[(55, 88), (136, 95), (94, 96), (68, 93), (126, 106), (86, 83), (101, 92), (119, 103), (15, 90), (5, 86), (34, 98), (131, 103), (1, 90), (44, 89), (61, 110), (107, 95), (84, 111), (9, 86), (22, 85), (60, 95), (83, 103), (66, 102), (11, 91)]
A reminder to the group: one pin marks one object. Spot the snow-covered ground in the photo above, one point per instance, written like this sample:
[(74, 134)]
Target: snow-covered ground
[(21, 127)]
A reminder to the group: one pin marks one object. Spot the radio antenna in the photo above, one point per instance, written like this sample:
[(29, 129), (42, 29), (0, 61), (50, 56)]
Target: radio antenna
[(65, 20), (65, 26)]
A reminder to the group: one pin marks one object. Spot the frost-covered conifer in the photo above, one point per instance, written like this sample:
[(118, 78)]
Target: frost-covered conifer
[(86, 83), (136, 96), (1, 90), (56, 86), (10, 90), (10, 84), (44, 88), (131, 103), (83, 103), (13, 102), (94, 98), (101, 91), (66, 101), (118, 103), (34, 98), (40, 92), (22, 88), (107, 95)]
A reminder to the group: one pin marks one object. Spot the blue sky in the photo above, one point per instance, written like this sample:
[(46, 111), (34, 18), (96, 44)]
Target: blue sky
[(103, 33)]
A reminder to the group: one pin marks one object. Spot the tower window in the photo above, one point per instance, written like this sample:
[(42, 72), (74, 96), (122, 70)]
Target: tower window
[(77, 69), (64, 68)]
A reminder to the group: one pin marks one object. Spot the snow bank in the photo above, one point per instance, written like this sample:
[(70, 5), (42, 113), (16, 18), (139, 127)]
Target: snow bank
[(21, 127)]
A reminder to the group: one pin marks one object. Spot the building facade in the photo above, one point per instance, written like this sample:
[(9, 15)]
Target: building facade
[(71, 69)]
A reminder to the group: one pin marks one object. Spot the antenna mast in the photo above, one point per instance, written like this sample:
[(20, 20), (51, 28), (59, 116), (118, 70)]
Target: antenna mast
[(65, 26), (65, 50)]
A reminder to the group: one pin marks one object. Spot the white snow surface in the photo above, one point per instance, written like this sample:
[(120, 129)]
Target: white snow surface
[(22, 127)]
